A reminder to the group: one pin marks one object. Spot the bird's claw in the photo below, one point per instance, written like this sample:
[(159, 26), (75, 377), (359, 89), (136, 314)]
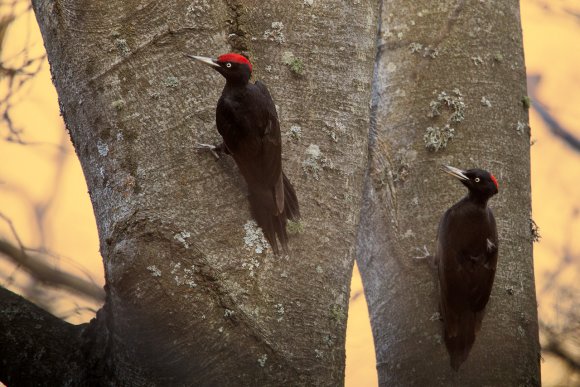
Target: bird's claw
[(211, 148), (431, 260), (200, 145), (423, 251)]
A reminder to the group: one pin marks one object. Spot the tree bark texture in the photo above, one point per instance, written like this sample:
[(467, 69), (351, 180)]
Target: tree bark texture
[(458, 63), (191, 299), (37, 348)]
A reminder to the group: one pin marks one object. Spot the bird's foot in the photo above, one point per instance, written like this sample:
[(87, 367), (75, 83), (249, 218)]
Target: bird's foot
[(212, 148), (425, 254)]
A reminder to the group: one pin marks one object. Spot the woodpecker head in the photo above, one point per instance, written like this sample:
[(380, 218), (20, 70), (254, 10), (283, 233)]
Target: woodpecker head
[(480, 183), (234, 67)]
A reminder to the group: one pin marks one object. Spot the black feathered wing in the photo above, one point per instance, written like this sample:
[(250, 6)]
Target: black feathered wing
[(284, 189), (466, 268), (249, 125)]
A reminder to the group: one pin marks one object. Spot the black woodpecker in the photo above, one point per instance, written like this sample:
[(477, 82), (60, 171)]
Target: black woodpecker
[(247, 120), (466, 257)]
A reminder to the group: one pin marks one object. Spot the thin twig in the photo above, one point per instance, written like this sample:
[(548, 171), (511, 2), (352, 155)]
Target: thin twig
[(49, 275), (554, 346), (553, 124)]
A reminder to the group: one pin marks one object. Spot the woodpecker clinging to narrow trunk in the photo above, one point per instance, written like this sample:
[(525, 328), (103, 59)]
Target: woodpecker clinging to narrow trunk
[(466, 257), (247, 120)]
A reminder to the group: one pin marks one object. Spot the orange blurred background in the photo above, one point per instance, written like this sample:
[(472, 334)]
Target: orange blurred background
[(44, 195)]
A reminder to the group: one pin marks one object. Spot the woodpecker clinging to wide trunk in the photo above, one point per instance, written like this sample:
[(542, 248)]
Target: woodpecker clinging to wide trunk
[(247, 120), (466, 257)]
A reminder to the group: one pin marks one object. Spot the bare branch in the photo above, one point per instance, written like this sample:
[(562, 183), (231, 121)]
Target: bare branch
[(51, 276), (13, 230), (15, 72), (556, 349), (554, 346), (553, 124)]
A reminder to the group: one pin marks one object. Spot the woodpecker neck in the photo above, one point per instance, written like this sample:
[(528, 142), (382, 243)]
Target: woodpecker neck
[(236, 83), (478, 199)]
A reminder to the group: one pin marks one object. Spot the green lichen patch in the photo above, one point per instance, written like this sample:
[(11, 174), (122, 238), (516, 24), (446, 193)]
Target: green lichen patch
[(262, 360), (254, 239), (279, 311), (182, 237), (183, 275), (155, 272), (312, 165), (295, 132), (337, 314), (415, 47), (122, 46), (171, 81), (451, 101), (118, 104), (526, 102), (275, 34), (425, 51), (294, 227), (437, 138), (295, 64)]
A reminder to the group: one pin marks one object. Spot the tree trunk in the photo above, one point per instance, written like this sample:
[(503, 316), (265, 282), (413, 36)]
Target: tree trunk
[(472, 52), (191, 297)]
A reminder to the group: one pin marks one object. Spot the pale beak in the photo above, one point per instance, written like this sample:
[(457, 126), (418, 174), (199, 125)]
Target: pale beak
[(205, 60), (455, 172)]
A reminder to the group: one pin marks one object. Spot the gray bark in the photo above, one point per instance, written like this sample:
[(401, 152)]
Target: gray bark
[(189, 300), (425, 48)]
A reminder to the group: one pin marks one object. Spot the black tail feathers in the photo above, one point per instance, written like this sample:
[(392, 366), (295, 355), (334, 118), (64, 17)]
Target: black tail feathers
[(291, 207), (263, 208), (459, 338)]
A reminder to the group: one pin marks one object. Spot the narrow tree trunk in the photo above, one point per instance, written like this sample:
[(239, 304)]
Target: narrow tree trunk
[(456, 63), (191, 299)]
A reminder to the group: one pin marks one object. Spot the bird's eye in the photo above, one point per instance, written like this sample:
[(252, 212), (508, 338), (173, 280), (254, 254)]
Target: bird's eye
[(477, 179), (228, 65)]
